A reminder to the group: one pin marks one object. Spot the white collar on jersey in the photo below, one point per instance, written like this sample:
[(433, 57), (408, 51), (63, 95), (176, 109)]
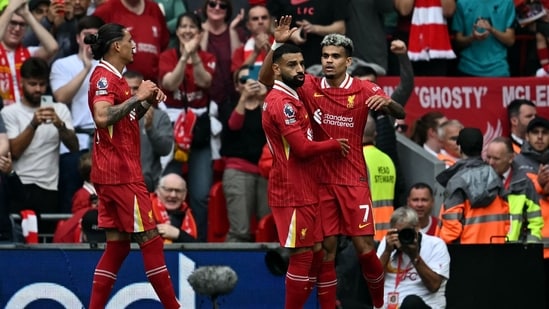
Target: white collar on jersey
[(346, 83), (104, 63), (280, 86)]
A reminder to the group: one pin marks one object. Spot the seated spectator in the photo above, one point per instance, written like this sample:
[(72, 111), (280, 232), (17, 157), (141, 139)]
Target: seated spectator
[(13, 22), (175, 220), (86, 196), (483, 32), (473, 210), (414, 278), (420, 198)]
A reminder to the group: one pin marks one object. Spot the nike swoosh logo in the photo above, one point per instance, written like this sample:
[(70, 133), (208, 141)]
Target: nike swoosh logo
[(361, 226), (316, 95), (298, 2)]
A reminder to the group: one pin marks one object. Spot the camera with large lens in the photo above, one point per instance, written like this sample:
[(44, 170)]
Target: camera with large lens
[(407, 236)]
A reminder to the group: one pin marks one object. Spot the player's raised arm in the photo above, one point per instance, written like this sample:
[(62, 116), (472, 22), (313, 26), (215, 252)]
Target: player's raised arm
[(282, 34)]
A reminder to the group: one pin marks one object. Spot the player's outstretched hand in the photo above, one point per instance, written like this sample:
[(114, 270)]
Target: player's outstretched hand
[(282, 31), (344, 144), (376, 102)]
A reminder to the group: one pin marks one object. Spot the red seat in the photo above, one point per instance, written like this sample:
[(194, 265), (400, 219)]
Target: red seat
[(218, 222), (266, 230)]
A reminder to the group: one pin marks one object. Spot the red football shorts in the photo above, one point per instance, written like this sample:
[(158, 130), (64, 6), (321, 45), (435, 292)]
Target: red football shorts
[(125, 207), (297, 226), (346, 210)]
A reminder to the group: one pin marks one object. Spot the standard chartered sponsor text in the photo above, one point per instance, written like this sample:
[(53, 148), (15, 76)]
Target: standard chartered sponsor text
[(340, 121)]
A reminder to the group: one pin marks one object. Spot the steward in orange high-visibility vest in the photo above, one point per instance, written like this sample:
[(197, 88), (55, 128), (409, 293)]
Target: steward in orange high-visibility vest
[(473, 211)]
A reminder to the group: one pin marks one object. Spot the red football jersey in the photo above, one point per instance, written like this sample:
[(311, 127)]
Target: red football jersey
[(116, 153), (196, 97), (149, 31), (291, 180), (340, 113)]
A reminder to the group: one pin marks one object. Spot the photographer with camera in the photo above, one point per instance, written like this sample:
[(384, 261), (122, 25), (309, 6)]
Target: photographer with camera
[(416, 265)]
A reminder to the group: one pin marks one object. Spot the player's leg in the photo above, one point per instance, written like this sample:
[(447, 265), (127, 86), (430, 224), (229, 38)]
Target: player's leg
[(359, 224), (152, 249), (104, 277), (371, 267), (330, 218), (151, 245), (116, 249), (299, 240)]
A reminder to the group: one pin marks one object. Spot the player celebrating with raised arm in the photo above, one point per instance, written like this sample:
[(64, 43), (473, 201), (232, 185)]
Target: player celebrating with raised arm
[(292, 189), (339, 105), (125, 210)]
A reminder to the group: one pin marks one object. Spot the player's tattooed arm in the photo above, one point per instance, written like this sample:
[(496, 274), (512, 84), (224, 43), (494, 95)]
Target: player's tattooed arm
[(117, 112), (141, 109)]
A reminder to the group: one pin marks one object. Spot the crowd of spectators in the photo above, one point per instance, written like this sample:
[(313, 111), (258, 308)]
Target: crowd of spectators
[(205, 55)]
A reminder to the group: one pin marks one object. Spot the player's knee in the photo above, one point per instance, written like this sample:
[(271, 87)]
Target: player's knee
[(143, 237)]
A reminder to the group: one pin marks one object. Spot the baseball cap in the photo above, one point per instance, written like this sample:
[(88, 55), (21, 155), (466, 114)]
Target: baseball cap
[(537, 122), (33, 4), (90, 227), (471, 141)]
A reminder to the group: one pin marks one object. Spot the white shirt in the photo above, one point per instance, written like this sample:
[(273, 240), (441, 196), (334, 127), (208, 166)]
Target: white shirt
[(62, 72), (39, 163), (435, 254)]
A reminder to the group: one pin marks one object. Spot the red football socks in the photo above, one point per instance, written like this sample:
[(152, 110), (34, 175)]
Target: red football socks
[(327, 285), (105, 272), (157, 272), (373, 273), (297, 280)]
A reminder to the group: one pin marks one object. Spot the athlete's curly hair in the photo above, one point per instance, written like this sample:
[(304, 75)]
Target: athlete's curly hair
[(336, 39)]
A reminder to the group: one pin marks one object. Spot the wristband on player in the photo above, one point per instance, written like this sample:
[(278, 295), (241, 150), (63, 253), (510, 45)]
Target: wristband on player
[(276, 45)]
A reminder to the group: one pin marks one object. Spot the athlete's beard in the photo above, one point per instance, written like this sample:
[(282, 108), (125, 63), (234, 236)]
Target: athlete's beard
[(329, 76), (293, 81)]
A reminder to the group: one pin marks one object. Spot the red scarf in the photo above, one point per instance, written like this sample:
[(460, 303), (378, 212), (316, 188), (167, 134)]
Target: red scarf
[(29, 226), (161, 216), (429, 38), (7, 88)]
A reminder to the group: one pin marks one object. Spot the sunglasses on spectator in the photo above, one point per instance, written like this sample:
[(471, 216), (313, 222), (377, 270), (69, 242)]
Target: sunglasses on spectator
[(256, 18), (14, 24), (213, 4)]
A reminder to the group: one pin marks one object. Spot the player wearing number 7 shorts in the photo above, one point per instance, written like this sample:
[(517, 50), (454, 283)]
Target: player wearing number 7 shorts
[(338, 105)]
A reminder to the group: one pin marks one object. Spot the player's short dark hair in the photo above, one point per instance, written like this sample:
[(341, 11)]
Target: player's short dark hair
[(336, 39), (102, 41), (35, 67), (89, 22), (285, 49)]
